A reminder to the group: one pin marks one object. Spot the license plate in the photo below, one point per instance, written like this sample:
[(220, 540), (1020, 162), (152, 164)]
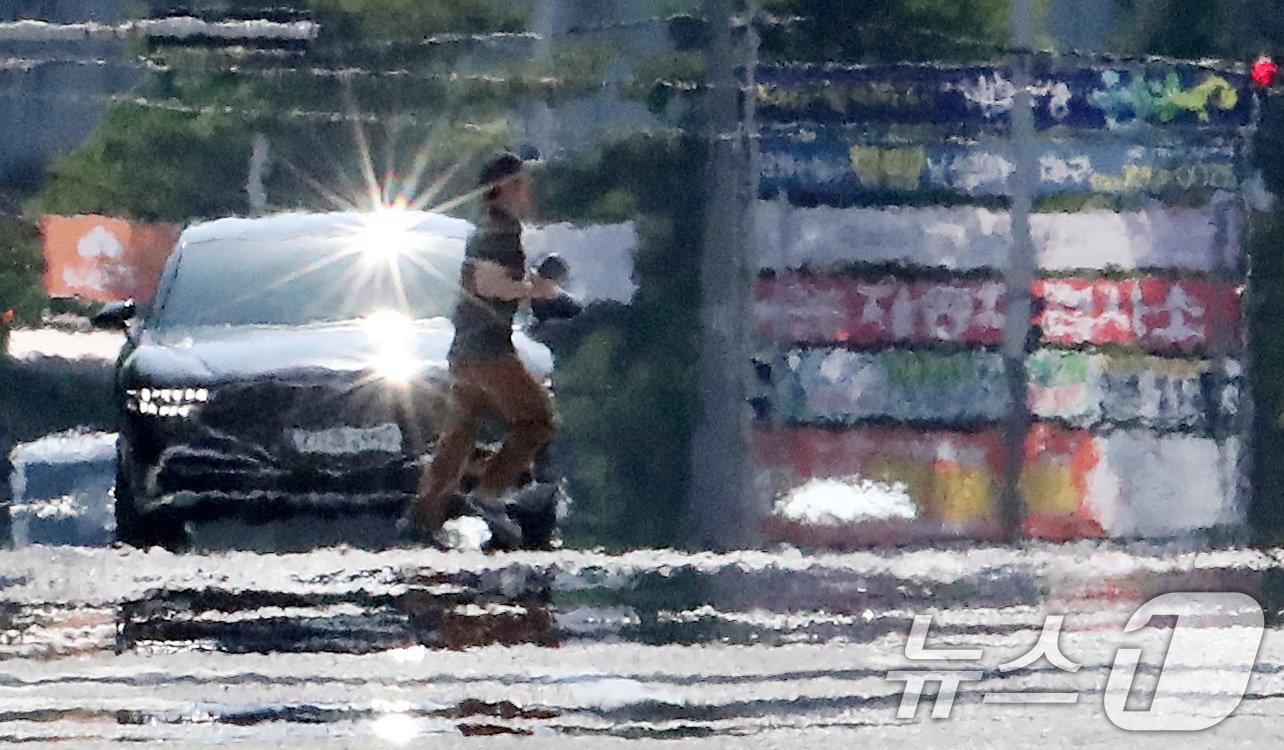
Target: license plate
[(343, 441)]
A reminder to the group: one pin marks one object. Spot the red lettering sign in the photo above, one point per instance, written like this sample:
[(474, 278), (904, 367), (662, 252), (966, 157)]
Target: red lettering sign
[(800, 309), (1159, 314)]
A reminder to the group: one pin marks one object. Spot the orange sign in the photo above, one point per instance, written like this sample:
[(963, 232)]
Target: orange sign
[(104, 259)]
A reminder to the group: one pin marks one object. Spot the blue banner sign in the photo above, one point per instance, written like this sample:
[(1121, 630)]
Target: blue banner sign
[(1099, 97), (828, 168)]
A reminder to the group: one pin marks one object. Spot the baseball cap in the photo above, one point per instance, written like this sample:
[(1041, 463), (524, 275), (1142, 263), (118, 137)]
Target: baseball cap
[(499, 168)]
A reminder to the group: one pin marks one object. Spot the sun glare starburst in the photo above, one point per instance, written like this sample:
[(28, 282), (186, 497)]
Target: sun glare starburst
[(389, 240), (385, 233)]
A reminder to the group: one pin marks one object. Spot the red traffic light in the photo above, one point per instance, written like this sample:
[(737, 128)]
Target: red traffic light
[(1265, 71)]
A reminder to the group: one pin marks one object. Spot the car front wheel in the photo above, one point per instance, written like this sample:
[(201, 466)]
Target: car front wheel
[(137, 529)]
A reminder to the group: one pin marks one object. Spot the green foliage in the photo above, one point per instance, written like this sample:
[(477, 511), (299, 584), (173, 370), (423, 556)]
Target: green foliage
[(1265, 309), (21, 269), (401, 19), (324, 168), (581, 61), (1265, 305), (690, 32), (160, 164), (438, 110), (1187, 29), (46, 396), (626, 376), (1198, 29), (887, 30), (657, 80)]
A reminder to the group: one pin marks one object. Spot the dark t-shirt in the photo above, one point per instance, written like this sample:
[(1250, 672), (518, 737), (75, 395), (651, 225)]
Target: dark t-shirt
[(484, 326)]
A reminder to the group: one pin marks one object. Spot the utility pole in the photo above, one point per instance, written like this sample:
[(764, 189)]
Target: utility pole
[(722, 500), (1020, 274), (254, 186), (541, 126)]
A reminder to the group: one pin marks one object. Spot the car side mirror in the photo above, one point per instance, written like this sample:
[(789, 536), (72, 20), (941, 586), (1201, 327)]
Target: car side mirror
[(114, 316)]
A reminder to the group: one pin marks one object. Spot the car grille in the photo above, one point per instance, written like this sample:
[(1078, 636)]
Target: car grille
[(346, 423)]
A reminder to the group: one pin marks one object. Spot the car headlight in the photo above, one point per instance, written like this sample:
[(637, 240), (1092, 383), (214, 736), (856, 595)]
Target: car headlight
[(167, 402)]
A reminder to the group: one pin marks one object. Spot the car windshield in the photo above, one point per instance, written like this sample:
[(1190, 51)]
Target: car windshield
[(307, 280)]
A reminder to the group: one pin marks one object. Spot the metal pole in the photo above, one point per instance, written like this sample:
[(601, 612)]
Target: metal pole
[(541, 126), (720, 445), (1020, 274), (258, 171)]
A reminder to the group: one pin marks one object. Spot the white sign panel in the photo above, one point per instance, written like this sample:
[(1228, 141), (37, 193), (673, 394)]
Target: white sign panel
[(970, 238)]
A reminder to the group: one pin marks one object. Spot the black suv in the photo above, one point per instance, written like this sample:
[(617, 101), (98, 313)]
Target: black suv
[(291, 361)]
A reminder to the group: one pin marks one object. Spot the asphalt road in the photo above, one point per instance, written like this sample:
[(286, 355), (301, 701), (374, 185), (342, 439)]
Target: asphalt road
[(344, 648), (307, 633)]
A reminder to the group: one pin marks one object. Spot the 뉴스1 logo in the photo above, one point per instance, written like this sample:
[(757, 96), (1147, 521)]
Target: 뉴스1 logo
[(1220, 689)]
